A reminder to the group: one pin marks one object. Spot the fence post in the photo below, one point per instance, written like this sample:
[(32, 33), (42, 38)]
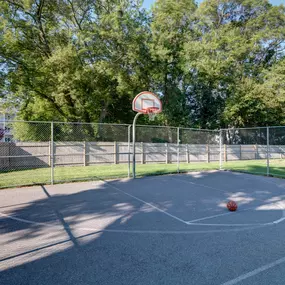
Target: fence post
[(187, 153), (142, 153), (52, 154), (208, 153), (267, 150), (221, 154), (9, 154), (256, 151), (129, 151), (84, 153), (115, 153), (178, 153), (166, 153), (49, 153), (225, 153)]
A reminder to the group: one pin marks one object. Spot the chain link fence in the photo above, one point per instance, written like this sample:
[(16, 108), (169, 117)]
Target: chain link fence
[(199, 145), (51, 152), (89, 151), (28, 148), (254, 150)]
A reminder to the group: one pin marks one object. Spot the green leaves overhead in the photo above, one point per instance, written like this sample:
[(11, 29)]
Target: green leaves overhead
[(77, 57), (236, 40), (217, 64)]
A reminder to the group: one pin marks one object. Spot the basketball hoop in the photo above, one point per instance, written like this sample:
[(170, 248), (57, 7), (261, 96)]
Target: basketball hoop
[(152, 112), (146, 103)]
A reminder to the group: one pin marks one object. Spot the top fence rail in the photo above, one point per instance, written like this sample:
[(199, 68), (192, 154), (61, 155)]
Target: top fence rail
[(18, 130), (41, 131), (61, 122)]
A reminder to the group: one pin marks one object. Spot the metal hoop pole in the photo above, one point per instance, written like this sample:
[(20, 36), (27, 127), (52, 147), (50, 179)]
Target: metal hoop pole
[(267, 152), (134, 144), (178, 150), (129, 151), (221, 155), (52, 153)]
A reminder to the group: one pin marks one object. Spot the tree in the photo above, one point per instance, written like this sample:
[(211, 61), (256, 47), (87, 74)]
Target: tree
[(261, 104), (236, 40), (73, 60), (83, 60), (171, 24)]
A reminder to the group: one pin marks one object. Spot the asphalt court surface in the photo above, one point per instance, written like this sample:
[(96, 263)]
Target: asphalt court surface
[(172, 229)]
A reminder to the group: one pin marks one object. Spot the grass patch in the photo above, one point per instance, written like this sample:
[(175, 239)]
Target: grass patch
[(80, 173), (277, 167)]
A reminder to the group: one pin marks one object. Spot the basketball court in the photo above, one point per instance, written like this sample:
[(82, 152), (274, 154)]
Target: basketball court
[(172, 229)]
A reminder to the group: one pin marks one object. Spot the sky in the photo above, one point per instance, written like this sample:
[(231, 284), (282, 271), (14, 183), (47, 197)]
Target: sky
[(147, 3)]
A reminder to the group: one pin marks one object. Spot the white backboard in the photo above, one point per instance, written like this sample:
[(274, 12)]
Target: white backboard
[(145, 100)]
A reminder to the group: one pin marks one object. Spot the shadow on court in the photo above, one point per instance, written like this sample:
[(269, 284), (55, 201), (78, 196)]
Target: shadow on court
[(76, 234)]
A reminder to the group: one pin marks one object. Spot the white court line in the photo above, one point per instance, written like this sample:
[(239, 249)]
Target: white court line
[(201, 185), (209, 217), (219, 215), (283, 213), (191, 222), (146, 203), (245, 225), (131, 231), (255, 272), (229, 225), (28, 221), (172, 232), (194, 224), (279, 221)]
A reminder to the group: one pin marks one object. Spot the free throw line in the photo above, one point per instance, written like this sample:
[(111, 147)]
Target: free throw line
[(209, 217), (220, 215), (2, 215)]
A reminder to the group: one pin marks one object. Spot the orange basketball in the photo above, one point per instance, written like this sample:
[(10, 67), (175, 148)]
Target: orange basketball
[(232, 206)]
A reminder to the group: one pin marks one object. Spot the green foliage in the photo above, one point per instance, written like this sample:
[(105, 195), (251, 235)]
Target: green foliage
[(214, 65), (236, 41), (81, 60), (31, 132), (254, 105), (170, 28)]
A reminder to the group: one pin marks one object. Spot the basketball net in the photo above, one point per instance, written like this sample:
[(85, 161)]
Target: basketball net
[(151, 113)]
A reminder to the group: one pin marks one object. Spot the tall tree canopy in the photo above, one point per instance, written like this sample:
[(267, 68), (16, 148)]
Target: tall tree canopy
[(236, 41), (219, 64), (73, 59)]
